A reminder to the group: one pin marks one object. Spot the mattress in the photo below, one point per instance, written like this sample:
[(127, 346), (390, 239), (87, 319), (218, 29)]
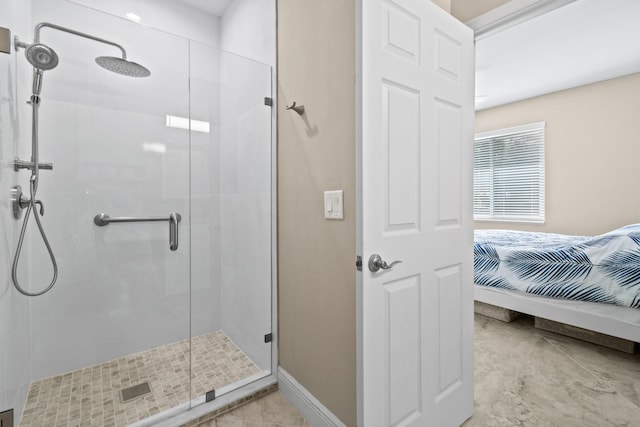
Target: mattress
[(604, 269)]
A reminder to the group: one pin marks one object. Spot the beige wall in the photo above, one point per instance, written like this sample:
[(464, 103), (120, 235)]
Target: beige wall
[(444, 4), (465, 10), (316, 152), (316, 257), (592, 151)]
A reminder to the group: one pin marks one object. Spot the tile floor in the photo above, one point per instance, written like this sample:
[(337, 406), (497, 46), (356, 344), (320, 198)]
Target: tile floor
[(523, 377), (273, 410), (90, 396)]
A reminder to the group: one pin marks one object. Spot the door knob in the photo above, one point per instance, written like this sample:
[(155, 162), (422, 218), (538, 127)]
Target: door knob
[(376, 263)]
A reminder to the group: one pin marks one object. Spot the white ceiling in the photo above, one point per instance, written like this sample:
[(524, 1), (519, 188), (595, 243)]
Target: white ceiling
[(583, 42), (213, 7)]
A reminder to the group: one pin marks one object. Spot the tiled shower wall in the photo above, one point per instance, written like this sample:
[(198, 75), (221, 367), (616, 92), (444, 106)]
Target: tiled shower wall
[(120, 289)]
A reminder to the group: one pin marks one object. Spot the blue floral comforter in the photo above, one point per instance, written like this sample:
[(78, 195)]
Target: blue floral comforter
[(604, 268)]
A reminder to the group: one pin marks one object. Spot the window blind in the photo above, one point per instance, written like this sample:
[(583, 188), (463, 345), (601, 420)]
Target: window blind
[(508, 171)]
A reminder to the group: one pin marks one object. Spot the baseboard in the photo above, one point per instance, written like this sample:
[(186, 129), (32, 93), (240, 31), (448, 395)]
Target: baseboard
[(315, 412)]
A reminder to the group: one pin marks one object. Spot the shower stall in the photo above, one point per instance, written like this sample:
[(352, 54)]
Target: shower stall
[(156, 197)]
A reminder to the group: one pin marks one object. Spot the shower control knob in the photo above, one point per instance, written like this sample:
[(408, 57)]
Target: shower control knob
[(19, 202), (39, 202), (16, 201), (24, 203)]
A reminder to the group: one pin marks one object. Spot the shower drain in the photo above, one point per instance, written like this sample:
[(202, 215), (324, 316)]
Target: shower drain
[(135, 391)]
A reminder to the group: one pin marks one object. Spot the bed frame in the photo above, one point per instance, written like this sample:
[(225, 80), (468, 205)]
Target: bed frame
[(621, 322)]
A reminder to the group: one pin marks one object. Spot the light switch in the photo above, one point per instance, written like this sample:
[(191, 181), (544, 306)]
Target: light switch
[(333, 202)]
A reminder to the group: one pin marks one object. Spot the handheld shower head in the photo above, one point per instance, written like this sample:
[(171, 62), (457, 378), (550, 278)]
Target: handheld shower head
[(122, 66), (41, 56)]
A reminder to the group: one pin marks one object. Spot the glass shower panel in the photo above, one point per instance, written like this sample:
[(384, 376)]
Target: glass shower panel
[(110, 341), (14, 308), (231, 220)]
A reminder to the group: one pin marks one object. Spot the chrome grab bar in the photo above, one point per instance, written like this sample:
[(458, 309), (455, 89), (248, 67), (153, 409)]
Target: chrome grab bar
[(174, 218)]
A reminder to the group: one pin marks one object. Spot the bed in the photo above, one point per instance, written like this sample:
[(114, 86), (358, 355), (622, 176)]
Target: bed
[(588, 282)]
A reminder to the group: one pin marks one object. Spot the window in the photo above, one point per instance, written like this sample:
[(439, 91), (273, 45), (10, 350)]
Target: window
[(508, 173)]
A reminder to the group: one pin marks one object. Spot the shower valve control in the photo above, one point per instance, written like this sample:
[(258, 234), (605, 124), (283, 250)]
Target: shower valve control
[(19, 202)]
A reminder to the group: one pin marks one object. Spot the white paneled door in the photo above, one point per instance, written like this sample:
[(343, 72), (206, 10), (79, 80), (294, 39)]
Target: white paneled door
[(416, 146)]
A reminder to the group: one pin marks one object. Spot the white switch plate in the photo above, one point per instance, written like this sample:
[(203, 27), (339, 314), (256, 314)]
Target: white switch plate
[(333, 204)]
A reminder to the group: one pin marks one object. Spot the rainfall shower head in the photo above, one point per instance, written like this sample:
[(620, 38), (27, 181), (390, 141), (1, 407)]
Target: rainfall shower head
[(41, 56), (122, 66)]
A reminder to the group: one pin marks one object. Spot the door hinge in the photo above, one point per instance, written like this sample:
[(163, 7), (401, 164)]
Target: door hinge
[(268, 101), (211, 395), (358, 262), (268, 338)]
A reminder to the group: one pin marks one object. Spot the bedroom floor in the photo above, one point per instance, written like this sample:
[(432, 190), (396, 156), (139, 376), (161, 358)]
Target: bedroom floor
[(529, 377)]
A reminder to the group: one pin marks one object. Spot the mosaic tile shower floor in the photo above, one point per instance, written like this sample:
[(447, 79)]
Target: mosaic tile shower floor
[(91, 396)]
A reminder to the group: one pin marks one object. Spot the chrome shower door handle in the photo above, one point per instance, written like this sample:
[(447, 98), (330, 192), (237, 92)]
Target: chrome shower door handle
[(102, 220), (376, 263), (174, 219)]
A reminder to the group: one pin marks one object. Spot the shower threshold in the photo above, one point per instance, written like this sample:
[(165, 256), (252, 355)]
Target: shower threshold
[(91, 396)]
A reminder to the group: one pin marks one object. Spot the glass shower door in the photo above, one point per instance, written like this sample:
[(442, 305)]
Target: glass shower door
[(231, 221)]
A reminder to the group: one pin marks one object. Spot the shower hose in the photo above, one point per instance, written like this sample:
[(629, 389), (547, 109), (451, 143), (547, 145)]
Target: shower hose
[(31, 208)]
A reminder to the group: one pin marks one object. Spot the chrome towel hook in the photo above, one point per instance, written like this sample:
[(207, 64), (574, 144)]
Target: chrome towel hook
[(297, 108)]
